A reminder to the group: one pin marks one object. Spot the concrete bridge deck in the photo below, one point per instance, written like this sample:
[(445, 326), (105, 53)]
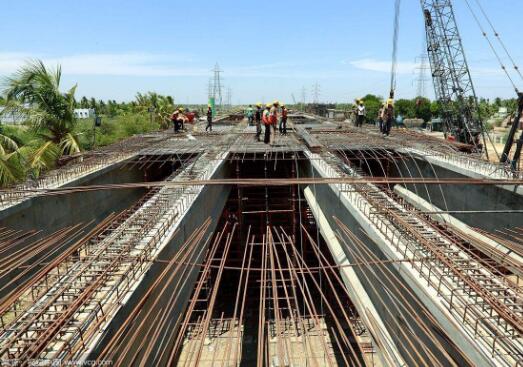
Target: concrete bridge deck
[(249, 272)]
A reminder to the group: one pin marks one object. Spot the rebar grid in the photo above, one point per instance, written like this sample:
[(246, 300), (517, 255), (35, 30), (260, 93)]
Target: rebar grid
[(489, 308), (81, 166), (77, 297)]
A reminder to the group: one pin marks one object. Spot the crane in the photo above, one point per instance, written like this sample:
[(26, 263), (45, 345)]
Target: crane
[(505, 156), (453, 84), (450, 72)]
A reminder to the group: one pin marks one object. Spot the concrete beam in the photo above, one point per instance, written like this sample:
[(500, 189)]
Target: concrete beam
[(428, 296), (387, 351)]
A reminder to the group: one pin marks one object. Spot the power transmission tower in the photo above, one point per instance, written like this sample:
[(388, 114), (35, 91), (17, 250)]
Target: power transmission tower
[(304, 95), (228, 97), (316, 93), (217, 86), (210, 89), (421, 74), (452, 82)]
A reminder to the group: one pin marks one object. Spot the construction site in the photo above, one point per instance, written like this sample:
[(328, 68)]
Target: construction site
[(335, 245)]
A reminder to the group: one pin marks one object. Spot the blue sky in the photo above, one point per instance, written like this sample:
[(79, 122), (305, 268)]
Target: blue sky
[(270, 49)]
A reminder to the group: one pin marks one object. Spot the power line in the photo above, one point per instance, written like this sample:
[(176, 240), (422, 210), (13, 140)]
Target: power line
[(502, 65), (497, 35)]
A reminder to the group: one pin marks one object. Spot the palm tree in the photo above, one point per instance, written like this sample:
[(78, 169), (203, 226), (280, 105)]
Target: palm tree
[(163, 106), (84, 102), (11, 167), (164, 109), (34, 91)]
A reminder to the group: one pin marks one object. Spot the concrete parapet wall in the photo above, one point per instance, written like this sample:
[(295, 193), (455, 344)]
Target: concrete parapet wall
[(51, 213), (209, 203)]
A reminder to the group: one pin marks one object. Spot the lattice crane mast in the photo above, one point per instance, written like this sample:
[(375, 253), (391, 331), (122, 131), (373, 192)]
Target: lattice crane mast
[(452, 81)]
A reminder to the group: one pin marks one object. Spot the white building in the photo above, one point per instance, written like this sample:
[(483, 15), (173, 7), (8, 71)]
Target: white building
[(83, 113), (12, 118)]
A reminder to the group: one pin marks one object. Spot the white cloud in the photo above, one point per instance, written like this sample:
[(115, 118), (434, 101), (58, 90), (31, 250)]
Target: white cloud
[(384, 66), (125, 64), (159, 65), (405, 67)]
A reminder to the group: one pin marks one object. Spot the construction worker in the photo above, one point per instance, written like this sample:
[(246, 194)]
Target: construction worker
[(380, 117), (273, 117), (177, 118), (267, 123), (283, 120), (209, 118), (258, 118), (388, 116), (361, 113), (250, 115), (182, 119)]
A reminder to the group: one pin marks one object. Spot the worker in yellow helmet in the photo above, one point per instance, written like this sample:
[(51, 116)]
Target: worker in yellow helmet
[(361, 113), (178, 118), (388, 116)]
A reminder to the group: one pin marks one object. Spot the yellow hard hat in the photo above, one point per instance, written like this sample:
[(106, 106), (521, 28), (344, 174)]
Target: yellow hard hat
[(181, 109), (268, 105), (390, 101), (258, 104)]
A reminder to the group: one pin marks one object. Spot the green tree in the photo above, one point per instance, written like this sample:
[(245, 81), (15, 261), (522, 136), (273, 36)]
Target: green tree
[(34, 91), (11, 162), (406, 108), (84, 102), (435, 109), (372, 104), (422, 109)]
